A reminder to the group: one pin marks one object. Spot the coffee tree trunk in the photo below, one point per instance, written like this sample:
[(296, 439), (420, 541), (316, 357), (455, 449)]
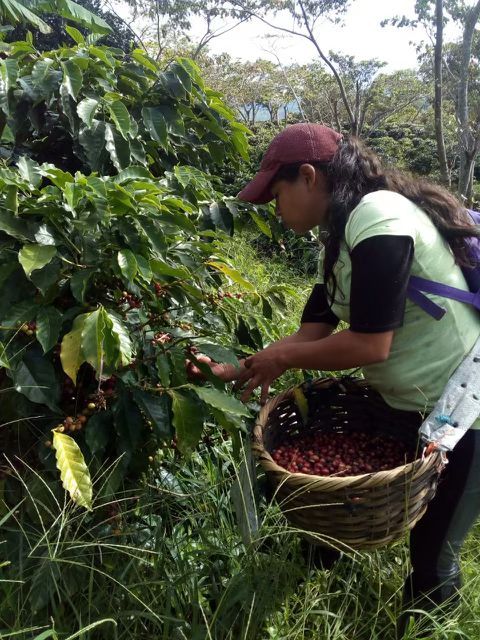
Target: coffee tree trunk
[(468, 141), (438, 103)]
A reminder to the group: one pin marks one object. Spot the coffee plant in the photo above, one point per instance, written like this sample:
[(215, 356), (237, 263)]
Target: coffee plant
[(110, 277)]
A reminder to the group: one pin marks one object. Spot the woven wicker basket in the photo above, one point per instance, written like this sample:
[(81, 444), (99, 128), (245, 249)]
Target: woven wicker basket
[(364, 511)]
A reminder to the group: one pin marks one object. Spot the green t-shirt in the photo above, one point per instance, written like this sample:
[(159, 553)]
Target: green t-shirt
[(425, 352)]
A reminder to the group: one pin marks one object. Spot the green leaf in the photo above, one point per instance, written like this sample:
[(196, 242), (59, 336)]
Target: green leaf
[(17, 12), (118, 345), (128, 423), (86, 110), (72, 78), (35, 256), (34, 377), (163, 368), (138, 151), (121, 117), (79, 282), (46, 277), (261, 224), (75, 34), (217, 353), (71, 354), (187, 420), (117, 147), (221, 217), (11, 198), (92, 338), (30, 171), (221, 400), (73, 470), (98, 431), (45, 78), (139, 56), (172, 119), (73, 11), (159, 267), (233, 274), (155, 124), (144, 270), (18, 313), (240, 143), (69, 108), (127, 263), (93, 142), (103, 55), (132, 173), (9, 70), (49, 323), (156, 407), (15, 227)]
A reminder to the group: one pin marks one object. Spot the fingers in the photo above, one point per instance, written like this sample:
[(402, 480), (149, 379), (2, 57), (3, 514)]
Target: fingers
[(264, 393), (226, 372), (257, 381), (242, 378), (247, 392), (248, 373)]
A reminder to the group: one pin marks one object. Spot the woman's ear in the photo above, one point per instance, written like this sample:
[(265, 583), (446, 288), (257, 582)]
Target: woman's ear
[(308, 173)]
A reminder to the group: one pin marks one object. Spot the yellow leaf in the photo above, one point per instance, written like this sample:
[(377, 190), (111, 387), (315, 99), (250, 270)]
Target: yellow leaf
[(73, 470), (233, 274), (71, 354), (302, 403)]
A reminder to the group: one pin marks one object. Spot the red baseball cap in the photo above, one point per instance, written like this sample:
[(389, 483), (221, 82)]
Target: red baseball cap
[(304, 142)]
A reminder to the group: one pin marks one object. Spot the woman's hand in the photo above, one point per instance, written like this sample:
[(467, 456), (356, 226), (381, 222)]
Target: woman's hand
[(261, 370), (226, 372)]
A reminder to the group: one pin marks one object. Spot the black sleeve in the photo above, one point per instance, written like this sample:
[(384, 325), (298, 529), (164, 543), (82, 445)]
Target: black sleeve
[(380, 272), (317, 308)]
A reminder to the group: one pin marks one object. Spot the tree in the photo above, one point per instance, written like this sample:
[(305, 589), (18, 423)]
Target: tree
[(398, 97), (21, 11), (469, 138), (358, 80), (306, 15), (119, 36), (431, 13), (438, 101), (109, 277), (251, 88), (171, 20)]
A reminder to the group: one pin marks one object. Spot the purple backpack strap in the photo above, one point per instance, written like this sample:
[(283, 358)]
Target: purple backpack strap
[(417, 287)]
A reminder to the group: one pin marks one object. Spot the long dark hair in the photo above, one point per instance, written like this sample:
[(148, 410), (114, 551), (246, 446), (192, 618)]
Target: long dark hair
[(356, 170)]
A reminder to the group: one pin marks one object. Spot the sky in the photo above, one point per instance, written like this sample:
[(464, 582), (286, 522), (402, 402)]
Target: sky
[(360, 36)]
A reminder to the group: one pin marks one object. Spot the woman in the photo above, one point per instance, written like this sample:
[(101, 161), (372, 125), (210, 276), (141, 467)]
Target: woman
[(381, 227)]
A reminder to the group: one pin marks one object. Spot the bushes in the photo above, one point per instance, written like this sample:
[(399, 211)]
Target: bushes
[(109, 282)]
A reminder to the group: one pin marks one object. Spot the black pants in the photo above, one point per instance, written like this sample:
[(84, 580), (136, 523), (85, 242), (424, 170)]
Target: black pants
[(436, 540)]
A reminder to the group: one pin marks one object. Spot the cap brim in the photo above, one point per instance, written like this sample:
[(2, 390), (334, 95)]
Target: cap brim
[(257, 190)]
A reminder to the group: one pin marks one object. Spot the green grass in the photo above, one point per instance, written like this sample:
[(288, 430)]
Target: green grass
[(175, 565), (265, 274), (197, 553)]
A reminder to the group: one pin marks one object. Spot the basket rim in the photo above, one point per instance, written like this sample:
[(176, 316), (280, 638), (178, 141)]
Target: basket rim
[(366, 480)]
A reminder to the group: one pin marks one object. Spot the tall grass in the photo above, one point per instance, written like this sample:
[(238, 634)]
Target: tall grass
[(198, 553), (174, 564)]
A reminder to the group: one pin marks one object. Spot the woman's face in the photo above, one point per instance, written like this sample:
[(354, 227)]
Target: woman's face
[(302, 204)]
